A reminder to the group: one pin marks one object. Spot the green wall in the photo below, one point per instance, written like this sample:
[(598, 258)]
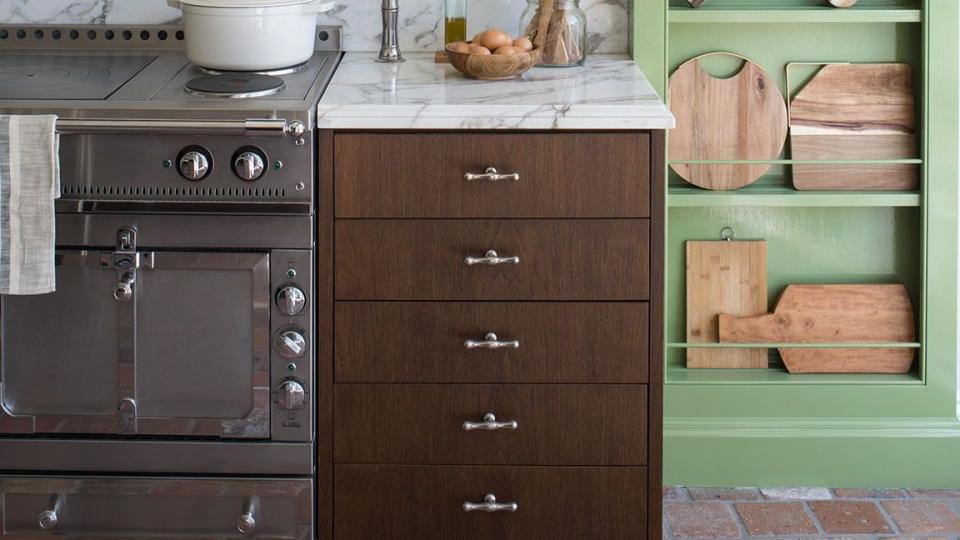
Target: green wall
[(768, 427)]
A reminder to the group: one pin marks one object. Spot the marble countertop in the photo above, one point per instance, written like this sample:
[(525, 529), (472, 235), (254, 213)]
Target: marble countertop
[(608, 92)]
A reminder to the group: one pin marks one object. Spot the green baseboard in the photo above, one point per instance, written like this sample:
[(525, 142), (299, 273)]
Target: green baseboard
[(835, 452)]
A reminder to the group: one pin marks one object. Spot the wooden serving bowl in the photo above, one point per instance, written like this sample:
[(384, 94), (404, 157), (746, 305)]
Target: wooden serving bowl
[(493, 67)]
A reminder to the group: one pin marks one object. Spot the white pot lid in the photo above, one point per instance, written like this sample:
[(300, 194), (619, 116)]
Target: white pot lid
[(242, 3)]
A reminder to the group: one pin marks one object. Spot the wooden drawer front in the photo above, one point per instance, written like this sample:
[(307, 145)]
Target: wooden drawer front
[(557, 425), (558, 260), (417, 503), (558, 342), (561, 175)]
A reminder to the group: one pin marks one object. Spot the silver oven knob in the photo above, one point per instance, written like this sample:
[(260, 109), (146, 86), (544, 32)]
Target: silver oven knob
[(195, 165), (48, 519), (291, 344), (291, 300), (291, 396), (249, 165)]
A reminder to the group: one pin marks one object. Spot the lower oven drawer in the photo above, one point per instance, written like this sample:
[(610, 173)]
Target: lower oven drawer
[(128, 508), (423, 502)]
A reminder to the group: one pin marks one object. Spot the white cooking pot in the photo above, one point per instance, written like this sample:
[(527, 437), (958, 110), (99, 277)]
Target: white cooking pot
[(250, 35)]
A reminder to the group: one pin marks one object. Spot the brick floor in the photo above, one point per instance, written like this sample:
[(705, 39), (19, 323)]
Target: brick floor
[(808, 513)]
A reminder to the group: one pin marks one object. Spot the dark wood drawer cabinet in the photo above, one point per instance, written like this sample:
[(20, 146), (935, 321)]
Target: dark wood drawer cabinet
[(530, 424), (560, 175), (555, 503), (554, 260), (490, 336), (446, 342)]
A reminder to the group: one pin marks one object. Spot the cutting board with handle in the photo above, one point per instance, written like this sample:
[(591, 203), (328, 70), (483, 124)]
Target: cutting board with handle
[(724, 277), (855, 112), (742, 117), (833, 314)]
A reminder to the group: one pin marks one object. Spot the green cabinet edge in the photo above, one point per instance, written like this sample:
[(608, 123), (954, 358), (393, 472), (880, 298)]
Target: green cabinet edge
[(849, 435)]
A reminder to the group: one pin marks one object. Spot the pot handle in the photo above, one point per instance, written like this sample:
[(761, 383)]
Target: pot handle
[(316, 6), (174, 4)]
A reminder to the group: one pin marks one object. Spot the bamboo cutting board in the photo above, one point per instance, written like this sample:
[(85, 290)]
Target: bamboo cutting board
[(743, 117), (833, 314), (855, 112), (724, 277)]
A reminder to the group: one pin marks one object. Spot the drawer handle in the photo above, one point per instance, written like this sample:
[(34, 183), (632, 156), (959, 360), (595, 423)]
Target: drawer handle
[(491, 258), (489, 504), (490, 341), (490, 424), (491, 174)]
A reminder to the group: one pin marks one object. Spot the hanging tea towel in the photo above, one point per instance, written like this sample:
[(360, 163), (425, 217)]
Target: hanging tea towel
[(29, 185)]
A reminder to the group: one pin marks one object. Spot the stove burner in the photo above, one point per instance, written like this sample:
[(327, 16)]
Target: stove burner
[(275, 72), (235, 85)]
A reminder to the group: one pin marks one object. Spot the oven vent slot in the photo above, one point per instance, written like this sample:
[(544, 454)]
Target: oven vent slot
[(176, 192)]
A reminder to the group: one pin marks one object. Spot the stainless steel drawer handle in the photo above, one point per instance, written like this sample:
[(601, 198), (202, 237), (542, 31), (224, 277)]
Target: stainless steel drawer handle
[(490, 504), (490, 174), (123, 291), (491, 258), (490, 424), (247, 522), (48, 519), (490, 341)]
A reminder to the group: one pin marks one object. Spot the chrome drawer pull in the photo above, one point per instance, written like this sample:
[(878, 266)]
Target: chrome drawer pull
[(491, 258), (490, 504), (490, 424), (490, 341), (491, 174)]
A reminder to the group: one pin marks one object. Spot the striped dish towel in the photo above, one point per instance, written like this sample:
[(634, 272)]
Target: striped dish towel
[(29, 184)]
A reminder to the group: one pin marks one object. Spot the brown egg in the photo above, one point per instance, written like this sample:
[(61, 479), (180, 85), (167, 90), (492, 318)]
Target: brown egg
[(523, 44), (459, 46), (493, 39), (508, 50), (477, 49)]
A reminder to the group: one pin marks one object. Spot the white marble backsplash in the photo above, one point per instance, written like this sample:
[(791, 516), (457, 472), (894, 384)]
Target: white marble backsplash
[(421, 20)]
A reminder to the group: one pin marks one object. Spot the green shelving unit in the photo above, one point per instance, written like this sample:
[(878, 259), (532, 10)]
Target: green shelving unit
[(741, 427)]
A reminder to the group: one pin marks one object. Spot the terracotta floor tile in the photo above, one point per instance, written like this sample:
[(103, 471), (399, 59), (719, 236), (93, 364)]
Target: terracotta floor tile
[(934, 493), (724, 494), (923, 517), (847, 493), (770, 518), (701, 520), (850, 517), (675, 493)]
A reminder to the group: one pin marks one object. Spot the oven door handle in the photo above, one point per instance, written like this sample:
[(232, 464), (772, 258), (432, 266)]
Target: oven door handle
[(258, 126)]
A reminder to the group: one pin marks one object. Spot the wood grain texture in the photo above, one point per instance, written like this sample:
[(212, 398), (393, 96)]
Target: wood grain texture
[(560, 342), (562, 175), (833, 314), (380, 502), (558, 425), (493, 67), (843, 3), (743, 117), (658, 156), (559, 260), (323, 374), (724, 277), (696, 3), (855, 112)]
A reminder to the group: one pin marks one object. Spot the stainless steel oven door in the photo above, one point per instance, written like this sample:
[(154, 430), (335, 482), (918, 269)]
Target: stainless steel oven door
[(141, 344)]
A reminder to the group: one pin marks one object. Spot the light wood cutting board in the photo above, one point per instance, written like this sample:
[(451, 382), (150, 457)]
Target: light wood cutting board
[(855, 112), (743, 117), (724, 277), (833, 314)]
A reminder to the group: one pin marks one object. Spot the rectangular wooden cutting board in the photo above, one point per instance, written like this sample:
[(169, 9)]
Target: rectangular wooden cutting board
[(855, 112), (724, 277)]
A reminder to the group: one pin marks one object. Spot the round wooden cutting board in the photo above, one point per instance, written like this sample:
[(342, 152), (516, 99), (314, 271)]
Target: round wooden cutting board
[(743, 117)]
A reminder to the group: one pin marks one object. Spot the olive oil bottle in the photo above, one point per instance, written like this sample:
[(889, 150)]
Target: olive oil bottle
[(455, 17)]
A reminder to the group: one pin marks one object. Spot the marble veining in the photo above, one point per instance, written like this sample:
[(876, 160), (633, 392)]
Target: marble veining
[(421, 20), (609, 92)]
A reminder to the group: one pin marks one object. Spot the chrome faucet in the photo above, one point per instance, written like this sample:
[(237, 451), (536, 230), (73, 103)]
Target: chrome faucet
[(389, 45)]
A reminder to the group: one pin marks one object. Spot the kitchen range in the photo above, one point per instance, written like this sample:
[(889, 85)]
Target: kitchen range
[(166, 389)]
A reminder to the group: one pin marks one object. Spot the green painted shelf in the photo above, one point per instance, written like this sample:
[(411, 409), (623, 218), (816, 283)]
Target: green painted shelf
[(680, 375), (782, 196), (754, 11)]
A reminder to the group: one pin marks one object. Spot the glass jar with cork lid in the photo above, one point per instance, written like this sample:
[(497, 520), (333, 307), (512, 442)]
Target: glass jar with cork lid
[(566, 41)]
